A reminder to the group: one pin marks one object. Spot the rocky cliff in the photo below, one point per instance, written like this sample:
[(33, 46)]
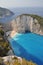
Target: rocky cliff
[(24, 23)]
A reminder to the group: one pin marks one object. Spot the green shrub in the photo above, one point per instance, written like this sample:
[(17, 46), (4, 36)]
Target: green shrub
[(1, 32)]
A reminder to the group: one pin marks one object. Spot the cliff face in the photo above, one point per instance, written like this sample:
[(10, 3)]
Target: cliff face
[(24, 23), (5, 12)]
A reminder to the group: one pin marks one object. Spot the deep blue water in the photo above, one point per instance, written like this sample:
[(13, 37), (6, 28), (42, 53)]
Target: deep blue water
[(28, 46)]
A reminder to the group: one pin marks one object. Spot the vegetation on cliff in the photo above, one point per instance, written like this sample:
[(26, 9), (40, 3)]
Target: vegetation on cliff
[(4, 46), (39, 18)]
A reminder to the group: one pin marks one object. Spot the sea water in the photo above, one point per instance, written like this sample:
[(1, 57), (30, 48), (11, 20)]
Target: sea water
[(28, 46)]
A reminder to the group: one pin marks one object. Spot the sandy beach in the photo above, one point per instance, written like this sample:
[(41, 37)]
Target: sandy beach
[(13, 33)]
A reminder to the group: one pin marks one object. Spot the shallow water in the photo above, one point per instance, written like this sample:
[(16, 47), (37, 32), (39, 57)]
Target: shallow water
[(28, 46)]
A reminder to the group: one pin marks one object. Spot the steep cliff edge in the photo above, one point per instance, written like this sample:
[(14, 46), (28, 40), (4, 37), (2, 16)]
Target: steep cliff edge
[(5, 12)]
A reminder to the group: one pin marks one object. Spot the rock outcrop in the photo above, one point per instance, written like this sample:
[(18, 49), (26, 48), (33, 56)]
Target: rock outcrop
[(15, 60)]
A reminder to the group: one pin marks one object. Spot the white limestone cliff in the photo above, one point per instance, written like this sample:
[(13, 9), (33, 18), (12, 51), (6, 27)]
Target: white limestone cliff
[(24, 23)]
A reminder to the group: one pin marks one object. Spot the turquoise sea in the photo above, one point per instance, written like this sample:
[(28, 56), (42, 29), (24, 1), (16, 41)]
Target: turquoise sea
[(28, 46)]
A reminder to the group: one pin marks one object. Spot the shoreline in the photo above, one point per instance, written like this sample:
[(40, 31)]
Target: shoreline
[(8, 37)]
